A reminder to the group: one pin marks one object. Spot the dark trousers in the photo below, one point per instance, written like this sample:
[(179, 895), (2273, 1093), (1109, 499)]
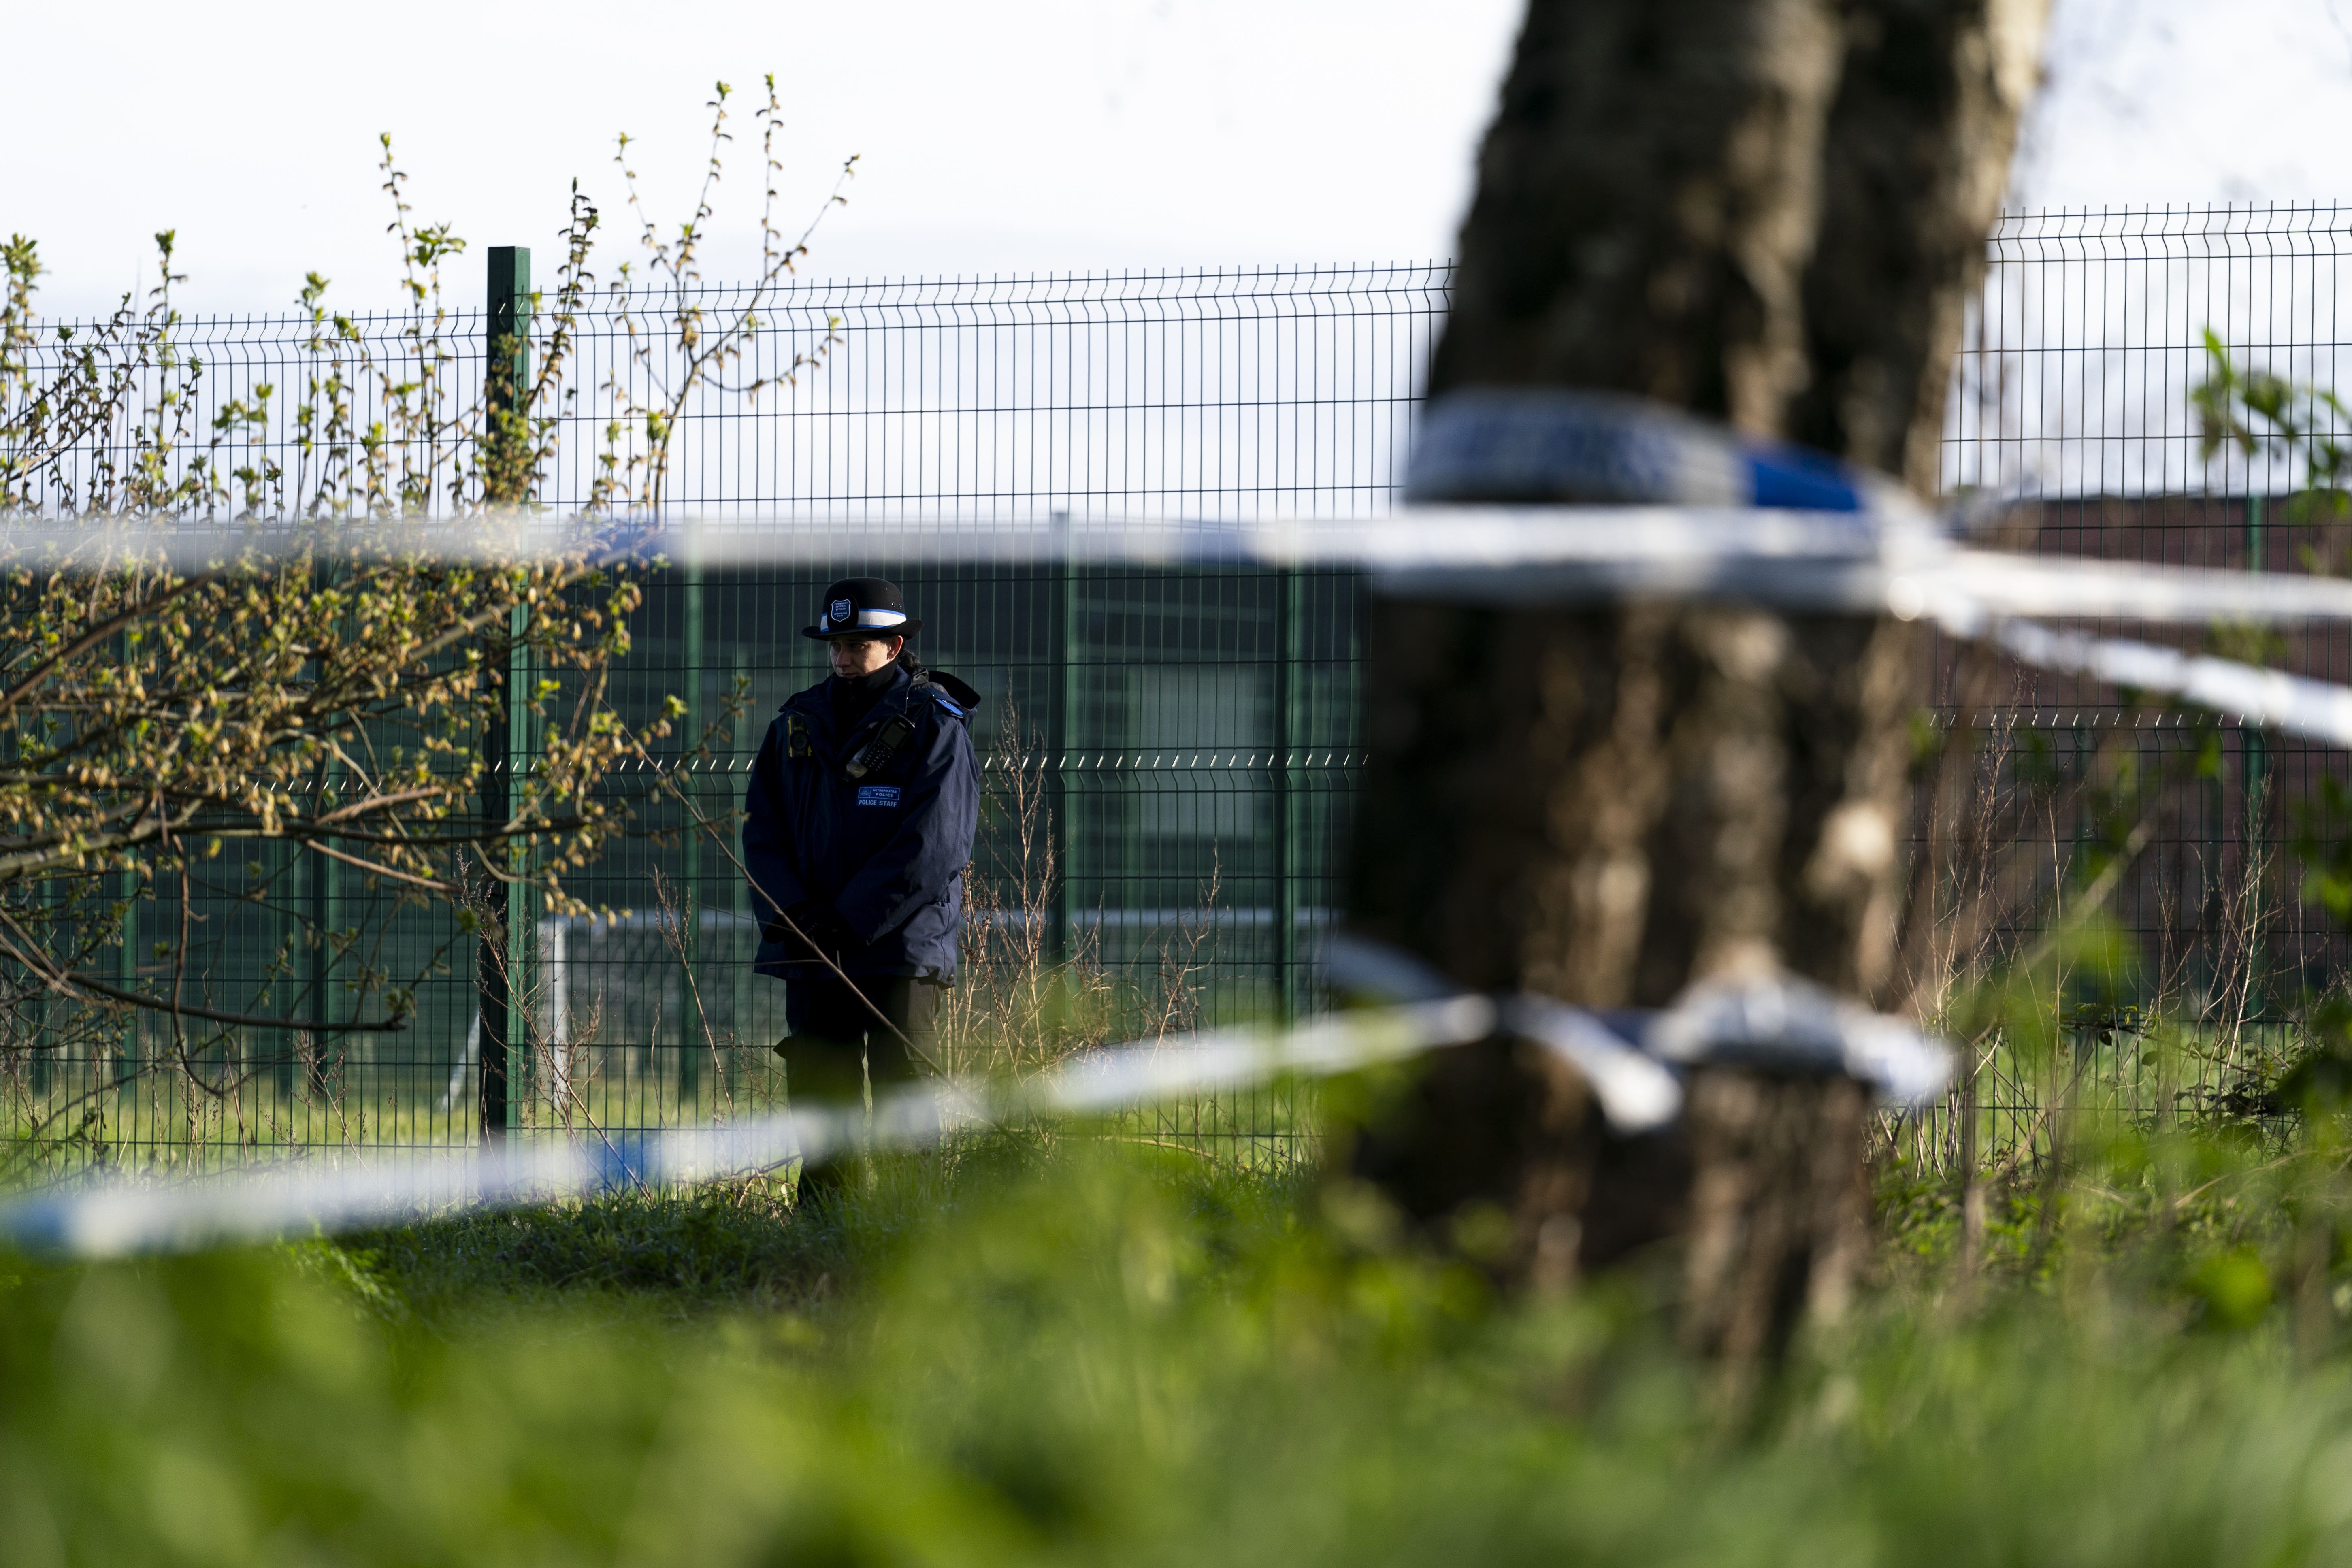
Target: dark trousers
[(832, 1029)]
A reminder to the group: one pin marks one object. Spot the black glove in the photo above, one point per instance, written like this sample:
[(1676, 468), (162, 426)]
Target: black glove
[(822, 932)]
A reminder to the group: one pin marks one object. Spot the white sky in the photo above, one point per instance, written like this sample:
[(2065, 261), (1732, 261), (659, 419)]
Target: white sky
[(1023, 135)]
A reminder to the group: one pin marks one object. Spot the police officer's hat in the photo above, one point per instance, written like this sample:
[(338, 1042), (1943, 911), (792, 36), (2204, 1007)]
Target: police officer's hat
[(862, 607)]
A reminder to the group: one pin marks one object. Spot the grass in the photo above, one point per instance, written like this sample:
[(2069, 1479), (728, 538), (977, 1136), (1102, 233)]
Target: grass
[(1091, 1352)]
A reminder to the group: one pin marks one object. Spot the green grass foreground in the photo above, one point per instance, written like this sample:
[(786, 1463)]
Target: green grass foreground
[(1116, 1354)]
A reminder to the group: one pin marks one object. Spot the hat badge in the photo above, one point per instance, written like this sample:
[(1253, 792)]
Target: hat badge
[(841, 609)]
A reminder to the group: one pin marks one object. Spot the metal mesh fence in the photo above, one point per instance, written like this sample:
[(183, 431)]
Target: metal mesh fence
[(2202, 946), (1221, 394), (1170, 753), (1167, 752)]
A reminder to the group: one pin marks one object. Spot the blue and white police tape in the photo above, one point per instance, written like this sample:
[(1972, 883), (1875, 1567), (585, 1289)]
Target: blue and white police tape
[(1563, 445), (2314, 710), (1632, 1062), (119, 1216), (1864, 562), (1778, 1022), (1861, 561), (1712, 516)]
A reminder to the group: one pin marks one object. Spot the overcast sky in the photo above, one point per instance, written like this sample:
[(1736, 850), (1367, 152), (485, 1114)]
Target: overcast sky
[(1023, 135)]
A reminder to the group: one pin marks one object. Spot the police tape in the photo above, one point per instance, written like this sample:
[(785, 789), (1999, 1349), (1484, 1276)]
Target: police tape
[(1515, 494), (117, 1216), (1898, 562), (1632, 1062), (2314, 710)]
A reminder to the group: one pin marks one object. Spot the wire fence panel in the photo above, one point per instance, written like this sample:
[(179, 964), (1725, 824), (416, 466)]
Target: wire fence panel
[(1183, 739), (1167, 752), (2077, 362), (2193, 837), (1223, 394), (1170, 753), (233, 414)]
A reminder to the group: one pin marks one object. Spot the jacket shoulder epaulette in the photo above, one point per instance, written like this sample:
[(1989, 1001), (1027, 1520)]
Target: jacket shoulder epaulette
[(957, 699)]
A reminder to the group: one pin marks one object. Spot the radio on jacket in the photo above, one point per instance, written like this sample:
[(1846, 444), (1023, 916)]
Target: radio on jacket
[(881, 748)]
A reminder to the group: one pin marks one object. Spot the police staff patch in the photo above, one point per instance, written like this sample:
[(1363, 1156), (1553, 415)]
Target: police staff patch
[(877, 794), (841, 608)]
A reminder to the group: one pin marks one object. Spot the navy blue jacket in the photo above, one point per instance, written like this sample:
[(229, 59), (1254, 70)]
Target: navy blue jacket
[(887, 851)]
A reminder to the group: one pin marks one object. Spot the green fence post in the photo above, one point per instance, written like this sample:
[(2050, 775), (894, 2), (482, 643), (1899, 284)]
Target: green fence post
[(44, 1052), (1290, 638), (282, 939), (501, 979), (1060, 714), (490, 975), (126, 964), (2254, 760), (689, 1012), (741, 942), (503, 946), (126, 974), (522, 901), (322, 891)]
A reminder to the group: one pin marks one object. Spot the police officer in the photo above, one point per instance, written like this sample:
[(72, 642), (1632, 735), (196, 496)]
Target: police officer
[(857, 825)]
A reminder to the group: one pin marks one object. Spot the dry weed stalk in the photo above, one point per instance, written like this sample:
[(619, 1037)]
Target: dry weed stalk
[(675, 917), (2069, 1009), (1018, 1006)]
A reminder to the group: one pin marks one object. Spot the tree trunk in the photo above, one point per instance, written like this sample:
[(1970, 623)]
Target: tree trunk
[(1916, 159), (1769, 212), (1604, 805)]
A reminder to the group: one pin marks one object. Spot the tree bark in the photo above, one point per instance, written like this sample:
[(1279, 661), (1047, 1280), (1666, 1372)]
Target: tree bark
[(1916, 158), (1606, 805), (1769, 212)]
